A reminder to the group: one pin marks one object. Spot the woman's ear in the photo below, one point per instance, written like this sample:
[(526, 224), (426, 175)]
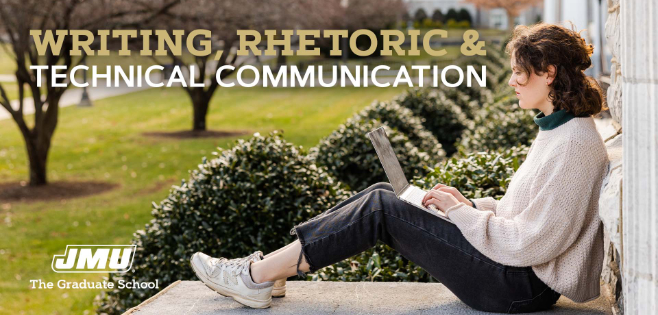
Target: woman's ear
[(550, 74)]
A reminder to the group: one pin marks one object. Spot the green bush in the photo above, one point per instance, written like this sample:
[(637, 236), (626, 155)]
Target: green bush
[(349, 156), (437, 16), (429, 23), (403, 120), (464, 16), (496, 54), (245, 199), (454, 95), (452, 15), (420, 15), (505, 96), (498, 65), (499, 126), (452, 23), (380, 263), (475, 176), (438, 114), (478, 174)]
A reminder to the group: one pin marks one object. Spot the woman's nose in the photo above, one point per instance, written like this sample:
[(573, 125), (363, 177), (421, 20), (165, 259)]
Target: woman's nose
[(512, 81)]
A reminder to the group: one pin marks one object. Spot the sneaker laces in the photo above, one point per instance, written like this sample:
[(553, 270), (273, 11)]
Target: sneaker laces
[(215, 264), (239, 265), (255, 256), (216, 261)]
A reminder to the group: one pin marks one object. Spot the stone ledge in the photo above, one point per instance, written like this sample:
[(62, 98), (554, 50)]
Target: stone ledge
[(306, 297)]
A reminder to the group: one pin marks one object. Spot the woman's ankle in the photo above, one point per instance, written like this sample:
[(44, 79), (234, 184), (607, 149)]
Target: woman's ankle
[(255, 274)]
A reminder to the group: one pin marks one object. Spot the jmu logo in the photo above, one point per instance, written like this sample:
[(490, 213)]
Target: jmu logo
[(95, 258)]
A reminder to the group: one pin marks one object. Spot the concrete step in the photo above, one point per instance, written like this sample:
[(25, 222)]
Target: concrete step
[(309, 297)]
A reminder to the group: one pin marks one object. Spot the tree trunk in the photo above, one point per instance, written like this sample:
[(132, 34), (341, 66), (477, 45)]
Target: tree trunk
[(38, 140), (280, 58), (200, 105), (37, 158)]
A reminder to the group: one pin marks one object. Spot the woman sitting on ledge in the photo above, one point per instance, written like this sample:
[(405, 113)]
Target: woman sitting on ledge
[(543, 239)]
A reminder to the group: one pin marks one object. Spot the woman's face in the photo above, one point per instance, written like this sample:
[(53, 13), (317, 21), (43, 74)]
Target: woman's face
[(532, 90)]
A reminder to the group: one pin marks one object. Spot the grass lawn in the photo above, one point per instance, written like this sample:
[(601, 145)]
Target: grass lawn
[(11, 88), (105, 143)]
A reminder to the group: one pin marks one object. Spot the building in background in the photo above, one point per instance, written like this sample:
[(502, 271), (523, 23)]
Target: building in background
[(588, 15), (482, 18)]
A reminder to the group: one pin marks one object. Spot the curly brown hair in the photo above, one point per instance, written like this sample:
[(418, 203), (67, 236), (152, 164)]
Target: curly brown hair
[(536, 47)]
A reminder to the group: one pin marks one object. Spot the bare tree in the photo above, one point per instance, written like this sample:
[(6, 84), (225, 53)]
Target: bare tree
[(374, 15), (512, 7), (17, 18), (224, 18)]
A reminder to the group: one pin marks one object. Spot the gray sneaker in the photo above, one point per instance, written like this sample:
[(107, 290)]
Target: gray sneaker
[(232, 278), (279, 289)]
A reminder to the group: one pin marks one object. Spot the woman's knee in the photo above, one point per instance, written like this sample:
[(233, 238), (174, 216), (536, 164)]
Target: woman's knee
[(381, 185), (382, 199)]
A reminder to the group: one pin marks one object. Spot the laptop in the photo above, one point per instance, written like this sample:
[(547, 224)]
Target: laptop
[(410, 194)]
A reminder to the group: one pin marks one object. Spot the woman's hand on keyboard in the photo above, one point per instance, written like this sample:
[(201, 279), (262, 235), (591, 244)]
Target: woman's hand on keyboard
[(440, 199), (453, 191)]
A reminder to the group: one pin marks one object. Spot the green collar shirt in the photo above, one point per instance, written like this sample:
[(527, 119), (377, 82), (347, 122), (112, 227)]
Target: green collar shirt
[(554, 120)]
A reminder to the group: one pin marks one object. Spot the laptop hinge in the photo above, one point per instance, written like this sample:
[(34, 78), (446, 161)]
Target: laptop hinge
[(403, 190)]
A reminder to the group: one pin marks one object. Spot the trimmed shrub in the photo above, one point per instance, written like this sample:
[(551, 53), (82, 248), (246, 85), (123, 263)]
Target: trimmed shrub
[(469, 99), (245, 199), (420, 15), (464, 16), (380, 263), (403, 120), (437, 16), (429, 23), (349, 156), (496, 54), (499, 126), (439, 115), (452, 15), (478, 175)]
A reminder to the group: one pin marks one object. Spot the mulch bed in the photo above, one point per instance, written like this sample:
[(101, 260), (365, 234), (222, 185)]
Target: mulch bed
[(192, 134), (21, 192)]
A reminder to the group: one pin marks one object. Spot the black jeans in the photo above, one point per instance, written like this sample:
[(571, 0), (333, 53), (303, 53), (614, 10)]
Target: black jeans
[(437, 246)]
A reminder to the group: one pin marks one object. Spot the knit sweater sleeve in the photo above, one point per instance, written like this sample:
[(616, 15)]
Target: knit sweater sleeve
[(485, 204), (547, 226)]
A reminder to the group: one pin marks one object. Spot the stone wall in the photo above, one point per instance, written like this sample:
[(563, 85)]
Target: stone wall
[(610, 203), (639, 74), (630, 211)]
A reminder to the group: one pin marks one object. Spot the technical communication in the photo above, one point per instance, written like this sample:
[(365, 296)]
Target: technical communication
[(284, 76)]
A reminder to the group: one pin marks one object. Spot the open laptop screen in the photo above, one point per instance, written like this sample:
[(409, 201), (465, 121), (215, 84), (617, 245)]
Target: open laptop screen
[(388, 159)]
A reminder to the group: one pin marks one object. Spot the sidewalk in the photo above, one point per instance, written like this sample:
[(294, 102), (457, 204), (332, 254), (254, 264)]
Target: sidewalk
[(310, 297), (72, 96), (7, 78)]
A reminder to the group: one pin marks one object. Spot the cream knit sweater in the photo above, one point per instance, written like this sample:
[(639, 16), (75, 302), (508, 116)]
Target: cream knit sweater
[(548, 218)]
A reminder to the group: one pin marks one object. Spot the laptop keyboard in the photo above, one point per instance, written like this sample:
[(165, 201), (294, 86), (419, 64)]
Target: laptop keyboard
[(416, 196)]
